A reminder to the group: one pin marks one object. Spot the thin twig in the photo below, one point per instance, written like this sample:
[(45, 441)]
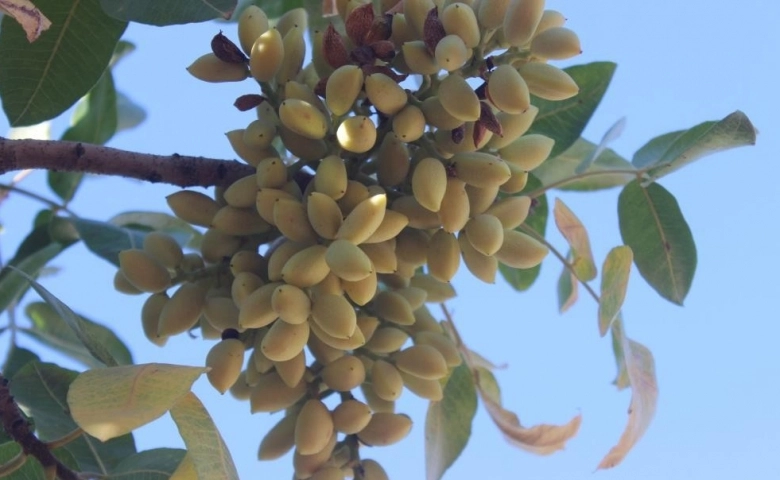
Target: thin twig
[(22, 191), (180, 170)]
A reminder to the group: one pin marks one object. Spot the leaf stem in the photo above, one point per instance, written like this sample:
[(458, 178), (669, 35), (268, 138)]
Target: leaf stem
[(13, 464), (541, 190), (531, 232), (4, 187), (66, 439)]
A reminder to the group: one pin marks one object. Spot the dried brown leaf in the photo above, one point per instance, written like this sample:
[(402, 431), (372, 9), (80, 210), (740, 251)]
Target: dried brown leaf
[(32, 20), (640, 369)]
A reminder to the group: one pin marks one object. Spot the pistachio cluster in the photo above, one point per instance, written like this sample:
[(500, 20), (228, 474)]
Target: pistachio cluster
[(315, 271)]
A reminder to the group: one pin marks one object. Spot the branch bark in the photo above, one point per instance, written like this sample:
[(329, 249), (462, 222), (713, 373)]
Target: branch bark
[(180, 170), (16, 427)]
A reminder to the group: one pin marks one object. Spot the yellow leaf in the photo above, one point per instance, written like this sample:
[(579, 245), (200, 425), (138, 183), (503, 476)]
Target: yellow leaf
[(574, 232), (32, 20), (110, 402), (640, 368), (614, 282), (185, 470), (205, 445)]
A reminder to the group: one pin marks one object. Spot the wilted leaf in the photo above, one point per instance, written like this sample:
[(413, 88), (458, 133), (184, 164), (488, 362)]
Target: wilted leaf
[(640, 369), (205, 445), (61, 66), (614, 282), (42, 388), (564, 120), (109, 402), (84, 333), (665, 154), (574, 232), (610, 136), (652, 224), (32, 20), (170, 12), (49, 328), (155, 464), (448, 423), (540, 439)]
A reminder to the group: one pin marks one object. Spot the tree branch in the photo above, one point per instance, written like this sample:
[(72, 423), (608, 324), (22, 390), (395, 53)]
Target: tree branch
[(184, 171), (16, 427)]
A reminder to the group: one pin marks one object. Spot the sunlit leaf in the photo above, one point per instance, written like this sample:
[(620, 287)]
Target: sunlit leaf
[(640, 369), (614, 282), (155, 464), (49, 328), (61, 66), (559, 169), (42, 388), (205, 445), (110, 402), (448, 423), (169, 12), (86, 335), (183, 232), (40, 131), (567, 288), (665, 154), (31, 19), (564, 120), (612, 134), (652, 224), (522, 279), (107, 240), (574, 232), (185, 470)]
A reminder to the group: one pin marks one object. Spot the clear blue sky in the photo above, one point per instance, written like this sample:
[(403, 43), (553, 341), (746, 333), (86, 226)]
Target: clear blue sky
[(679, 63)]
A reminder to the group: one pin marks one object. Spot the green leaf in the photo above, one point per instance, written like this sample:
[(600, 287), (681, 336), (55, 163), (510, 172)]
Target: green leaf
[(667, 153), (522, 279), (614, 282), (107, 240), (42, 389), (41, 80), (557, 170), (564, 121), (448, 423), (110, 402), (49, 328), (123, 49), (652, 224), (170, 12), (183, 232), (32, 469), (85, 334), (204, 444), (567, 288), (35, 251), (17, 358), (621, 379), (95, 117), (155, 464), (129, 114)]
